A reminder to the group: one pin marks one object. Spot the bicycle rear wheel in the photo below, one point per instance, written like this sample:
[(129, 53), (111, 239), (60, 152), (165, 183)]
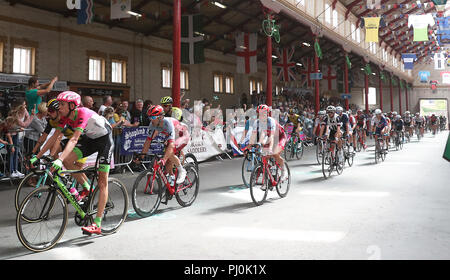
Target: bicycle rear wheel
[(47, 208), (283, 186), (299, 149), (187, 192), (146, 194), (258, 185), (289, 150), (116, 209), (327, 164), (319, 152)]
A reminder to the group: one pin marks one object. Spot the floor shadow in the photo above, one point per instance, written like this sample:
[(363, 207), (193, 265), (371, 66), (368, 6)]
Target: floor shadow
[(233, 208)]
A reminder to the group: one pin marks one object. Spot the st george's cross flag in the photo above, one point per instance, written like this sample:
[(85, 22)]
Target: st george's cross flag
[(192, 50), (120, 9), (85, 14), (246, 53), (285, 66)]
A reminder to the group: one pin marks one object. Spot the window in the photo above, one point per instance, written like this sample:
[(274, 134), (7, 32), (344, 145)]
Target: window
[(218, 82), (118, 72), (385, 55), (358, 35), (166, 76), (300, 2), (255, 86), (353, 31), (229, 84), (335, 18), (23, 60), (372, 47), (184, 79), (96, 69), (372, 96), (327, 13)]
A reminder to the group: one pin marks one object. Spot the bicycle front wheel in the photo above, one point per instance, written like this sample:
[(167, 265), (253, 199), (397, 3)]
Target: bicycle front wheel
[(26, 186), (283, 186), (116, 209), (258, 185), (47, 208), (187, 192), (146, 193), (247, 168), (327, 164)]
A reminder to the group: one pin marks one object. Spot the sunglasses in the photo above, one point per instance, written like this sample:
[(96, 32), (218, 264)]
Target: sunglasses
[(153, 117), (167, 105)]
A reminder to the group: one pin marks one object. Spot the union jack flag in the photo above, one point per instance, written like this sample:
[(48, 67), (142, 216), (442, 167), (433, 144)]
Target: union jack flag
[(286, 67)]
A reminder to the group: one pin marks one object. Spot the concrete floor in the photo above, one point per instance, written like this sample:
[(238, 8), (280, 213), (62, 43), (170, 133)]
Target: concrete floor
[(398, 209)]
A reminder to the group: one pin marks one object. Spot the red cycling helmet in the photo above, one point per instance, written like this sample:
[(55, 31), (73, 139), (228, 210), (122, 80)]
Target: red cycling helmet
[(262, 107), (156, 110)]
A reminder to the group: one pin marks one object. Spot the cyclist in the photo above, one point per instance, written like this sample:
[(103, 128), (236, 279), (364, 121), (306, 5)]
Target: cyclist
[(361, 126), (331, 125), (269, 134), (419, 122), (295, 120), (345, 127), (379, 126), (388, 131), (317, 123), (169, 110), (59, 145), (433, 121), (92, 133), (409, 122), (161, 138), (398, 127)]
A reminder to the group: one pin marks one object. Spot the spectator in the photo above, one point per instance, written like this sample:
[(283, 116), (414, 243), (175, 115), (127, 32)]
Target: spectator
[(10, 129), (126, 113), (88, 102), (34, 93), (112, 117), (36, 127), (138, 115), (107, 102)]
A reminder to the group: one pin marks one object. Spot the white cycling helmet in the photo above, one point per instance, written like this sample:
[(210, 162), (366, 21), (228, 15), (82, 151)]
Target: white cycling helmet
[(377, 112), (339, 109)]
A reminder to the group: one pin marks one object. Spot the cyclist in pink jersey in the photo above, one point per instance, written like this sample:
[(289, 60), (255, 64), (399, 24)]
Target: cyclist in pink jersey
[(92, 133)]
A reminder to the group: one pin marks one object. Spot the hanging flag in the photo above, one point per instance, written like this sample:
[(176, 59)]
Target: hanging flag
[(347, 60), (192, 41), (317, 49), (408, 60), (330, 77), (285, 67), (246, 53), (372, 24), (120, 9), (85, 14), (367, 69)]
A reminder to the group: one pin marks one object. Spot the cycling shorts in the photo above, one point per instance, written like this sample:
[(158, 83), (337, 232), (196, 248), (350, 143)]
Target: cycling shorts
[(104, 145)]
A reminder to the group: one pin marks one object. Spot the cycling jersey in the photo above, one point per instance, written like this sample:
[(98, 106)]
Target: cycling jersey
[(160, 136), (360, 120), (379, 124), (333, 123), (344, 120), (91, 124), (295, 119), (408, 120), (271, 127), (398, 124), (53, 124), (419, 121), (175, 113)]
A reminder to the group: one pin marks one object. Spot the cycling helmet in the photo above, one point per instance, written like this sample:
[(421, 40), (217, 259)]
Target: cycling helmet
[(359, 111), (339, 109), (177, 113), (377, 112), (417, 114), (321, 113), (53, 105), (166, 100), (407, 113), (262, 107), (70, 96), (394, 113), (155, 110), (291, 111), (331, 109)]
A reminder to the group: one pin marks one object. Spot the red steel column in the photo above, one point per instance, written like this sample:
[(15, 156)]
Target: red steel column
[(176, 49), (406, 95), (316, 83), (392, 96), (366, 93), (399, 97), (269, 71), (381, 92), (347, 91)]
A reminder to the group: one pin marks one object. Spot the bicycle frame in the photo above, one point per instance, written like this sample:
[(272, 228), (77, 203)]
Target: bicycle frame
[(171, 188), (266, 168)]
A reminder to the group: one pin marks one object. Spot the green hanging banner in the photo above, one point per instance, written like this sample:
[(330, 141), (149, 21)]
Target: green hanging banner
[(401, 84), (347, 60), (317, 49), (383, 77), (367, 69), (394, 81)]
